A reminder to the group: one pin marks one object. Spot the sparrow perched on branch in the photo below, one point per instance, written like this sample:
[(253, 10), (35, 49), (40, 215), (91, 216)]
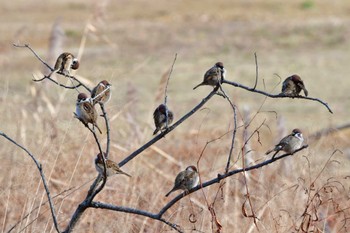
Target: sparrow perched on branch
[(101, 93), (111, 166), (186, 180), (289, 143), (214, 75), (85, 111), (293, 85), (159, 117), (64, 63)]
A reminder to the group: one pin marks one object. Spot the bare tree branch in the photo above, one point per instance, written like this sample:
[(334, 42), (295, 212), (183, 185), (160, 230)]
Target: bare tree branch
[(104, 115), (57, 83), (38, 165), (233, 133), (49, 67), (97, 186), (35, 54), (275, 96), (101, 205), (165, 132), (221, 177)]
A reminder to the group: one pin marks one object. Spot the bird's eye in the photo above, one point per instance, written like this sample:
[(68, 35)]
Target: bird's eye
[(75, 64)]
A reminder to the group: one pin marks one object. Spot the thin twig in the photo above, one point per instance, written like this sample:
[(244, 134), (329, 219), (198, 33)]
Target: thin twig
[(35, 54), (166, 92), (100, 94), (253, 215), (223, 176), (49, 67), (38, 165), (233, 132), (93, 191), (275, 96), (101, 205), (256, 71), (104, 114), (57, 83)]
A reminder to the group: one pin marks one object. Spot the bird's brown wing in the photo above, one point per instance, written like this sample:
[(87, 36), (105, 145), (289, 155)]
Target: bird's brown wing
[(287, 86), (212, 75), (282, 144), (91, 111), (279, 146), (179, 180), (68, 61), (159, 120), (114, 166), (95, 92), (59, 62)]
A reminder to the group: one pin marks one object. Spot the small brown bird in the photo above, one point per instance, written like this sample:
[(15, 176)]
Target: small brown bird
[(85, 111), (186, 180), (159, 117), (64, 63), (289, 143), (112, 167), (214, 75), (293, 85), (101, 93)]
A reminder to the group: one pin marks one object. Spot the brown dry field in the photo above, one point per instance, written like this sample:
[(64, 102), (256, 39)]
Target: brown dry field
[(133, 44)]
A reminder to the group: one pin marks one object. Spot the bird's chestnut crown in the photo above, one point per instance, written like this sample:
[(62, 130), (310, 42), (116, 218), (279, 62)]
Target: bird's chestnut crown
[(162, 108), (106, 83), (82, 96), (220, 64), (296, 78), (296, 131), (99, 156), (191, 168)]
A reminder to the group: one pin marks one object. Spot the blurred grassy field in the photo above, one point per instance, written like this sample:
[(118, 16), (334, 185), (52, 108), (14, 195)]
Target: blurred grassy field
[(133, 45)]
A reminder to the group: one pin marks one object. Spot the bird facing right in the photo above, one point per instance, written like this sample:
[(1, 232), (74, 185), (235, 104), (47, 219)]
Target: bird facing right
[(293, 85), (112, 167), (289, 143), (101, 93), (85, 111), (65, 62), (214, 75), (185, 180), (159, 117)]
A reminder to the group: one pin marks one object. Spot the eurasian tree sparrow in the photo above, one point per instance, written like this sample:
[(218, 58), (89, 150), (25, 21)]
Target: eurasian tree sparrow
[(214, 75), (186, 180), (159, 117), (289, 143), (293, 85), (111, 166), (101, 93), (85, 111), (64, 63)]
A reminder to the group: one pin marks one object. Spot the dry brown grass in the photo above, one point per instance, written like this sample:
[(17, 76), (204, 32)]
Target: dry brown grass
[(133, 46)]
